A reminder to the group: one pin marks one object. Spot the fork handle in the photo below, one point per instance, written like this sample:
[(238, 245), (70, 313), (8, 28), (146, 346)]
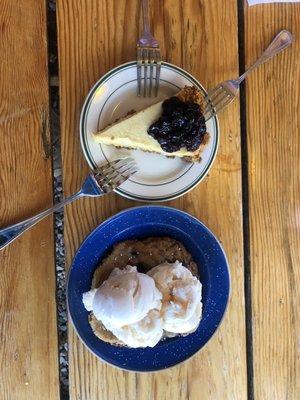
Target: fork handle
[(146, 17), (7, 235), (279, 43)]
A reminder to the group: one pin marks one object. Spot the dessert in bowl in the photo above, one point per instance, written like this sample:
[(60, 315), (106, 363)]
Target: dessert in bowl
[(144, 291), (193, 257)]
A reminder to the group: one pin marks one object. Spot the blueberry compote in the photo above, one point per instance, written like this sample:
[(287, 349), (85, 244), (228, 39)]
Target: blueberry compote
[(182, 124)]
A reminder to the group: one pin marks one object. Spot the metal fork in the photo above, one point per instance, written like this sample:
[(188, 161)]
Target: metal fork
[(104, 180), (224, 93), (148, 53)]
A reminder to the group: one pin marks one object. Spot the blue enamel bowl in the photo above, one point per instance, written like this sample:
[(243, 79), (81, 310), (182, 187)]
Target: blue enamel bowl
[(142, 222)]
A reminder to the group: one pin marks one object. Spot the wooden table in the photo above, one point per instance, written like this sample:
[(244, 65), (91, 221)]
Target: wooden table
[(250, 199)]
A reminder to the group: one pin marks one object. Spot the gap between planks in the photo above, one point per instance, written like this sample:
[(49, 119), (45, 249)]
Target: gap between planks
[(245, 203)]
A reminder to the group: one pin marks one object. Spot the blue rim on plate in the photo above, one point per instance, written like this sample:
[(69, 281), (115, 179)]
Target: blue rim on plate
[(93, 164), (140, 222)]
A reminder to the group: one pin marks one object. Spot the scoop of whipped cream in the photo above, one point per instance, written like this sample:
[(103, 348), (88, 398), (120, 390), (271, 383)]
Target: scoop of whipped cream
[(181, 303), (128, 305)]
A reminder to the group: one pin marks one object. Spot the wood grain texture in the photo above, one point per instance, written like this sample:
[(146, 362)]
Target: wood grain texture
[(273, 124), (28, 332), (200, 36)]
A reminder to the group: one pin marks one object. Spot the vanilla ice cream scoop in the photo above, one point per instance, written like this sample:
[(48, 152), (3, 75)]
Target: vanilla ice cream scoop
[(123, 304), (145, 333), (181, 303)]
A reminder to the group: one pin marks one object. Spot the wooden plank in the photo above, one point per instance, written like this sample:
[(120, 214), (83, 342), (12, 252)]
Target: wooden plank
[(201, 37), (273, 123), (28, 332)]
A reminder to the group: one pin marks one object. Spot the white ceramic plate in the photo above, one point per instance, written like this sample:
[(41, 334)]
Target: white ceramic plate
[(159, 178)]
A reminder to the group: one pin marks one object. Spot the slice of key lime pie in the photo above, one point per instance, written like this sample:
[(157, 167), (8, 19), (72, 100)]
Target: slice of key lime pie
[(174, 127)]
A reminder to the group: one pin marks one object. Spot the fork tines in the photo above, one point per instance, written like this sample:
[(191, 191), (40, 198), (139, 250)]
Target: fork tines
[(216, 99), (148, 57), (115, 173)]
